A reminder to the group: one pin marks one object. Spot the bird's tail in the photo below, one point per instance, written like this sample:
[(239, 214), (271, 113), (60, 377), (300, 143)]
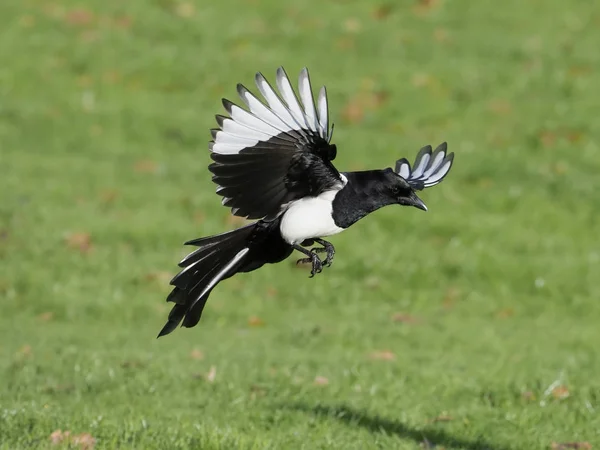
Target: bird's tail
[(217, 257)]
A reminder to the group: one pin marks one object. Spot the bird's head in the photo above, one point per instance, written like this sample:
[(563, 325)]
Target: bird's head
[(400, 192)]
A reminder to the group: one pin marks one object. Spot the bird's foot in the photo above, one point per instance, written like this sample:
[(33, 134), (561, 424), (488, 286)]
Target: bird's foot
[(327, 248), (317, 265), (330, 253)]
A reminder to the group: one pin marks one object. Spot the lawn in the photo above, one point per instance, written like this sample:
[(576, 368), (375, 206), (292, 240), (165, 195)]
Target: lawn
[(471, 326)]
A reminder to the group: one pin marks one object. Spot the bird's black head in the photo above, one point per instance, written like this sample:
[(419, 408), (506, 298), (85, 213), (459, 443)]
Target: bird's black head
[(400, 192)]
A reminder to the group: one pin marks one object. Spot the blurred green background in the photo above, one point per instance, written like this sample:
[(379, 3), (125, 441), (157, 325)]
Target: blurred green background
[(471, 326)]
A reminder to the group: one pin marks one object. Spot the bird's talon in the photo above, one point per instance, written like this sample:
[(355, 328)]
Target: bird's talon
[(330, 254), (317, 265)]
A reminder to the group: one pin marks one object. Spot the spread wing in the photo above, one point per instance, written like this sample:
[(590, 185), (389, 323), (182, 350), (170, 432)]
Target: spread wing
[(429, 168), (274, 152)]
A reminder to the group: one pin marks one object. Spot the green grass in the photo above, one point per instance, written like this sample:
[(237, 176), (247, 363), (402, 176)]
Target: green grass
[(104, 115)]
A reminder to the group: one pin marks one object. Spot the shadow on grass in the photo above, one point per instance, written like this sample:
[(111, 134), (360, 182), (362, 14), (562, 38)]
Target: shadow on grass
[(377, 424)]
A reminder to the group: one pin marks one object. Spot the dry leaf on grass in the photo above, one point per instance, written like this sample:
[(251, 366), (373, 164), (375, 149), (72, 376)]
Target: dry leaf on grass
[(450, 298), (123, 22), (352, 25), (84, 441), (81, 241), (199, 218), (46, 317), (547, 138), (59, 436), (579, 71), (559, 167), (425, 6), (382, 12), (570, 445), (161, 277), (255, 322), (382, 355), (79, 17), (25, 351), (108, 196), (353, 112), (404, 318), (500, 107), (257, 391), (378, 99), (560, 392), (111, 77), (197, 354), (441, 35), (212, 374), (345, 42), (321, 381), (505, 313), (421, 79), (145, 166), (185, 9)]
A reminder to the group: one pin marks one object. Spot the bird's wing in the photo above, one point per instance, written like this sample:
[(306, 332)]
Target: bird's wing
[(429, 168), (275, 152)]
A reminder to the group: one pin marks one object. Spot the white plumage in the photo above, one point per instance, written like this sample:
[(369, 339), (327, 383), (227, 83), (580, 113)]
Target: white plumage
[(309, 217)]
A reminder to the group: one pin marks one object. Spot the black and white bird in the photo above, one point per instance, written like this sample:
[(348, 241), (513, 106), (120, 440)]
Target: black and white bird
[(273, 163)]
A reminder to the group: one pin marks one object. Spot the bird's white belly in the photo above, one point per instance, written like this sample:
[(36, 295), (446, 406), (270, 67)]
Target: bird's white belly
[(308, 218)]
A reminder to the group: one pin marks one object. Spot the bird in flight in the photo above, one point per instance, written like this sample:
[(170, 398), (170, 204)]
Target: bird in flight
[(273, 163)]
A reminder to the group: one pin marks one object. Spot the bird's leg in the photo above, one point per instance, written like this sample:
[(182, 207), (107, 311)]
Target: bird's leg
[(317, 265), (328, 247)]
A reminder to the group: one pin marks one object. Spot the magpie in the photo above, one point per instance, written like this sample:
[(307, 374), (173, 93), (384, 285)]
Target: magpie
[(273, 163)]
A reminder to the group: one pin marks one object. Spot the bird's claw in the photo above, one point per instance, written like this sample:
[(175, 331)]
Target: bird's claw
[(317, 265), (330, 254)]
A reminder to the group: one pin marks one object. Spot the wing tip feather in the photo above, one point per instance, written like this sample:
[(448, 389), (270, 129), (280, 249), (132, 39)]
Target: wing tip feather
[(429, 175), (228, 105)]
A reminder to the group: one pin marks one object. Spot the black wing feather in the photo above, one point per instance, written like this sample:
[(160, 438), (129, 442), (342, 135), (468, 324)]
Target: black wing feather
[(274, 152)]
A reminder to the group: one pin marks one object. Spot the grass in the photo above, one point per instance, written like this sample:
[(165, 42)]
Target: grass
[(472, 326)]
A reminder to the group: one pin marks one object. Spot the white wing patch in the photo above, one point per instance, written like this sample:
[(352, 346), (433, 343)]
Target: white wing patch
[(323, 114), (430, 168), (289, 96), (282, 112), (305, 90), (275, 102)]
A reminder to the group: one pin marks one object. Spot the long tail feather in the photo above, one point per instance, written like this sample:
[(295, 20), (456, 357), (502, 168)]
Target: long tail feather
[(217, 258)]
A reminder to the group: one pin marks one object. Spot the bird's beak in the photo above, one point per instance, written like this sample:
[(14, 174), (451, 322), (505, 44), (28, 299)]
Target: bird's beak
[(417, 202)]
